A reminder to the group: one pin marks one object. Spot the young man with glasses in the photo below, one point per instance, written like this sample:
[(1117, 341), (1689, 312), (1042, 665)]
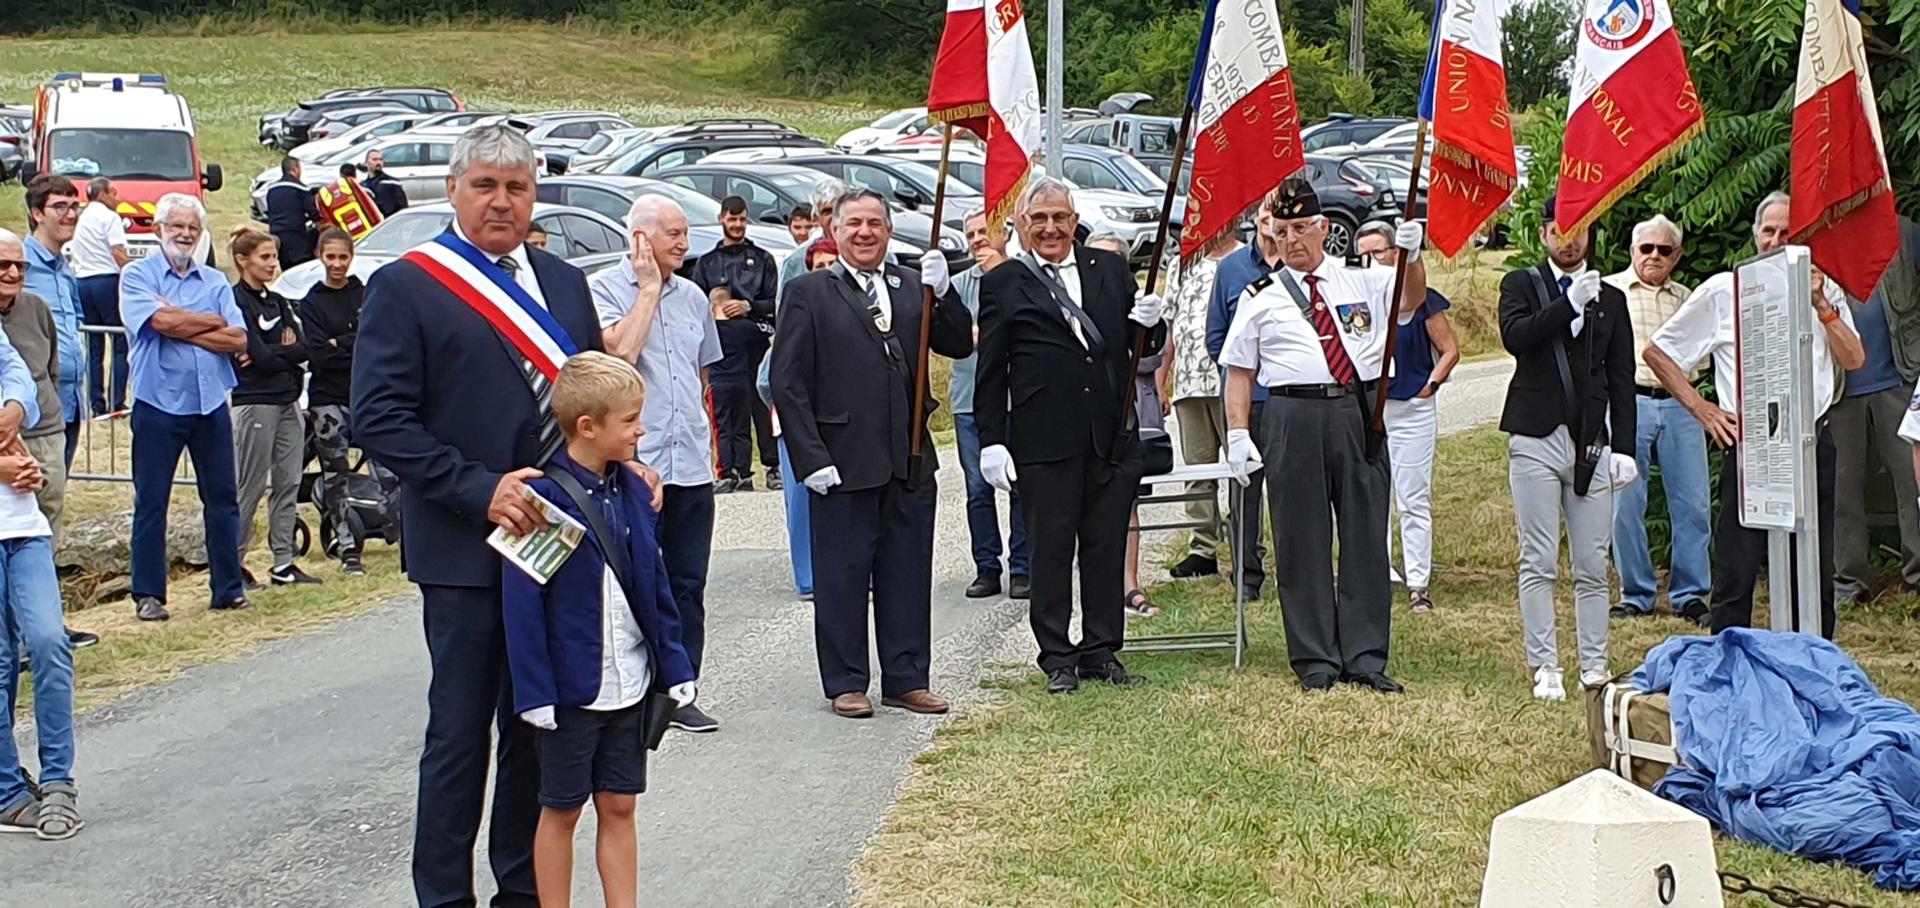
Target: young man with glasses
[(1667, 435), (53, 208)]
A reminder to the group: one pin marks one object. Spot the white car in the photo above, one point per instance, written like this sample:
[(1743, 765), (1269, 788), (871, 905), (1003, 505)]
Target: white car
[(909, 121), (420, 162), (1133, 217), (365, 132)]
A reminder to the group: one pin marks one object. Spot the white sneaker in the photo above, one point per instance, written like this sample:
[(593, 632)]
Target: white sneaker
[(1595, 676), (1547, 684)]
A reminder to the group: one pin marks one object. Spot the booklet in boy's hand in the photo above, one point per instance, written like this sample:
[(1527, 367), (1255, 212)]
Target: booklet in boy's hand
[(541, 552)]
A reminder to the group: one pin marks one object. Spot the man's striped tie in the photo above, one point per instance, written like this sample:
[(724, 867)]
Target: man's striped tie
[(538, 383), (1338, 363)]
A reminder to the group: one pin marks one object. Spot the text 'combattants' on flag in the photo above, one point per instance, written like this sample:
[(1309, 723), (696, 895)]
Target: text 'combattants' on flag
[(1245, 117), (1631, 106), (1464, 96), (1843, 207), (983, 80)]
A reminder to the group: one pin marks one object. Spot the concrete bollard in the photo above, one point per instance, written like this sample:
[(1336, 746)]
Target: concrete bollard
[(1600, 842)]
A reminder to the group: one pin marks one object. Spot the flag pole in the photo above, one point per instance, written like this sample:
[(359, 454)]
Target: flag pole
[(926, 311), (1393, 305)]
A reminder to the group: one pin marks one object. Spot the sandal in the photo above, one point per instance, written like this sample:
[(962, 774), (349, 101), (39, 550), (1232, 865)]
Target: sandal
[(1419, 602), (59, 812), (22, 817), (1139, 606)]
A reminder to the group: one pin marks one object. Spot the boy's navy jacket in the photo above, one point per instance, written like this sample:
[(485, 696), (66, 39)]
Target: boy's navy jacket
[(554, 633)]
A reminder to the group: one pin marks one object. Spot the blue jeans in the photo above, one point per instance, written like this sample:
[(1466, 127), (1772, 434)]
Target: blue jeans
[(158, 438), (1671, 437), (30, 618), (983, 517), (799, 524)]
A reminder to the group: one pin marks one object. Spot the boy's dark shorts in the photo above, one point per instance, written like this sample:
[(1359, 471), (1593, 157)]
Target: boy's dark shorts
[(592, 751)]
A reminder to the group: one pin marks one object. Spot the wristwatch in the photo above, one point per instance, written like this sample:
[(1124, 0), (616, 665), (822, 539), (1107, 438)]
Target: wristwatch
[(1828, 315), (1435, 384)]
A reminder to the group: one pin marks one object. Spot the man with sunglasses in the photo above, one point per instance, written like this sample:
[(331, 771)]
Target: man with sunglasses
[(1667, 430), (53, 208)]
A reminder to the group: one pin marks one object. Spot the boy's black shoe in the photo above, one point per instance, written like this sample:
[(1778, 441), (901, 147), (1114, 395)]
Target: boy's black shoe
[(289, 575), (1020, 586), (690, 718), (984, 585), (724, 485), (773, 481), (1696, 612), (1195, 566), (81, 639), (743, 484), (1111, 672)]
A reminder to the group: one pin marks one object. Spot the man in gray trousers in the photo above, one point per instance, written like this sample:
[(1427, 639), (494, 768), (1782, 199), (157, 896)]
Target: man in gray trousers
[(1572, 344)]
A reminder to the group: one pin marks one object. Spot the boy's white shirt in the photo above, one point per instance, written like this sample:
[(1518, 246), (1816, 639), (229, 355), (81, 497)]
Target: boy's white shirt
[(20, 516)]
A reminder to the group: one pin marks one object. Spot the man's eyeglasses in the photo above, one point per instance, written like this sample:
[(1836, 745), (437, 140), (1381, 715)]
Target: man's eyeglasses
[(1661, 249), (19, 265), (62, 209)]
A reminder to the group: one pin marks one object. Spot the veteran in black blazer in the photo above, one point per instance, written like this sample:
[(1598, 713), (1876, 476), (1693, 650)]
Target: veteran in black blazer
[(1058, 325), (845, 357), (439, 398)]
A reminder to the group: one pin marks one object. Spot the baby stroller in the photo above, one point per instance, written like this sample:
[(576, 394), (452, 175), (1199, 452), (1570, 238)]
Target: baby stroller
[(372, 511)]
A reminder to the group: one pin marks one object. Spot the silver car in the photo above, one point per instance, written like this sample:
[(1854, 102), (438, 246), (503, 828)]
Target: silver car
[(420, 162)]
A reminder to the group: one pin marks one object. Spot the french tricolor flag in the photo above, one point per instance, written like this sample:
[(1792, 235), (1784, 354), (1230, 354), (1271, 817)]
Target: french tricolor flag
[(1842, 208), (1464, 96), (1247, 124)]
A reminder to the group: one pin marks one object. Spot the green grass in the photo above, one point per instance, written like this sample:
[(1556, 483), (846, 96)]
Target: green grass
[(1212, 786)]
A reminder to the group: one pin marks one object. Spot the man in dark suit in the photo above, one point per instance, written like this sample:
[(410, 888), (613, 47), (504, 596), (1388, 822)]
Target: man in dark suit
[(292, 215), (1057, 329), (844, 375), (1572, 344), (461, 415)]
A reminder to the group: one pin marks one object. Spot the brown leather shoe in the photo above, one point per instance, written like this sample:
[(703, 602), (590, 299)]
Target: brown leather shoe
[(853, 706), (919, 701)]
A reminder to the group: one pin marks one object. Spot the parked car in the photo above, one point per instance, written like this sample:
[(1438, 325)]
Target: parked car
[(900, 124), (289, 129), (1387, 170), (1131, 133), (772, 191), (420, 163), (583, 238), (909, 184), (460, 119), (611, 197), (607, 145), (1346, 129), (1349, 197), (1132, 217), (677, 146), (340, 122), (16, 123), (558, 134), (1093, 167), (377, 128)]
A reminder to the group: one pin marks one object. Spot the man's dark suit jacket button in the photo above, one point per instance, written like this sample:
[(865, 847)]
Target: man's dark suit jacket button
[(1086, 390), (1089, 360)]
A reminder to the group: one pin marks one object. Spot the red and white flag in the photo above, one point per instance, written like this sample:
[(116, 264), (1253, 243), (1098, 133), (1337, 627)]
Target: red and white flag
[(1465, 98), (1247, 123), (1842, 208), (1632, 105), (983, 80)]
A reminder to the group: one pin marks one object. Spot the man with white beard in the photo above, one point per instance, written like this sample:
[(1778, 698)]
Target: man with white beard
[(183, 330)]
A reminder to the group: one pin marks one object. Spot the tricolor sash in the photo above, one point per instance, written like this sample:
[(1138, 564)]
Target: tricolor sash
[(491, 292)]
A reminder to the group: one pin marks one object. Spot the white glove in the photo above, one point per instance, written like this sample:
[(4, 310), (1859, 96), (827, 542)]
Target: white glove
[(540, 717), (934, 273), (996, 467), (682, 693), (1621, 470), (822, 479), (1242, 456), (1411, 236), (1147, 309), (1585, 289)]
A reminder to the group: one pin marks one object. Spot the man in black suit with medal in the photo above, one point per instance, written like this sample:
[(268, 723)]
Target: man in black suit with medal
[(1058, 325), (844, 375)]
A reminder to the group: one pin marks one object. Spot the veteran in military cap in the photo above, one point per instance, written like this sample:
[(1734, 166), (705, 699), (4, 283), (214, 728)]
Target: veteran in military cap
[(1313, 333)]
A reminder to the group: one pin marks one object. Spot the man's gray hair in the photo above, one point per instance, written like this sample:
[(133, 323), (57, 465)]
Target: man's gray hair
[(1381, 229), (1658, 222), (98, 185), (1108, 237), (646, 210), (1773, 198), (840, 205), (174, 202), (9, 238), (826, 193), (497, 144), (1044, 187)]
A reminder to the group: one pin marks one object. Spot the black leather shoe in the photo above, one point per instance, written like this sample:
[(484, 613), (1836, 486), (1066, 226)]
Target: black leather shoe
[(1316, 682), (1626, 611), (1194, 566), (1376, 681), (147, 608), (1696, 612), (983, 586), (1250, 593), (1020, 586), (231, 605), (1062, 681), (1111, 672), (773, 480)]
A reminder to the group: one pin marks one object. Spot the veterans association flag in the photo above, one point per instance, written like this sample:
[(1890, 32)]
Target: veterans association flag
[(1842, 208), (1632, 106), (1248, 126), (983, 80), (1465, 98)]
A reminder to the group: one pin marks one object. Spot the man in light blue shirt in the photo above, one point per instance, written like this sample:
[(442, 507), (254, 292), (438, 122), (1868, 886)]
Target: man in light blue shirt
[(666, 330), (183, 330), (53, 206)]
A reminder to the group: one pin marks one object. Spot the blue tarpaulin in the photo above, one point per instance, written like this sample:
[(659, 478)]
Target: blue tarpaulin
[(1785, 742)]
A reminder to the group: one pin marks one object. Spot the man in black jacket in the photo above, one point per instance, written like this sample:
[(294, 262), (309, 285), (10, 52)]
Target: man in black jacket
[(843, 383), (292, 215), (388, 195), (739, 279), (1572, 344), (1057, 327)]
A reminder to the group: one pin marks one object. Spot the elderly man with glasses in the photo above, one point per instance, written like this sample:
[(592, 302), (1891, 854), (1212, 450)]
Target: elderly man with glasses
[(1669, 436)]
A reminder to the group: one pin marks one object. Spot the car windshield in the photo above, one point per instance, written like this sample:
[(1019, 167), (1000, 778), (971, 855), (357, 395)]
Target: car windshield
[(123, 154), (1156, 138), (403, 231), (599, 142), (699, 208), (1142, 177), (798, 184), (896, 119), (924, 176)]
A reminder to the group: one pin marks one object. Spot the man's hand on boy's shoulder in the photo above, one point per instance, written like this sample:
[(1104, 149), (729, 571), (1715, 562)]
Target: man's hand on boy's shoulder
[(652, 478), (512, 508)]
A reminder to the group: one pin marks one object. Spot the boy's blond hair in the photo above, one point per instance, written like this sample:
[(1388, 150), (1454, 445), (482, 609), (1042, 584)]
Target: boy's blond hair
[(591, 384)]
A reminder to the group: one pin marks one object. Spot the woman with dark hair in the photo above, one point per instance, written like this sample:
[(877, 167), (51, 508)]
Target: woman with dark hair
[(269, 436)]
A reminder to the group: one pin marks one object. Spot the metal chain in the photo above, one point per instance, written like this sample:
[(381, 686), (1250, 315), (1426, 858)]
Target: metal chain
[(1779, 895)]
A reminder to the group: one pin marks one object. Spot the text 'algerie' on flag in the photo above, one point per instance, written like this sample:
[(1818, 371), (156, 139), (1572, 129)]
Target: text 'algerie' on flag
[(1631, 106), (1465, 98), (983, 81), (1246, 122), (1842, 208)]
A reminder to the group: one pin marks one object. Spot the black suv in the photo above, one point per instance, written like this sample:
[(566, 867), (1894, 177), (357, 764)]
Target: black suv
[(1345, 129), (682, 145), (1349, 197), (289, 130)]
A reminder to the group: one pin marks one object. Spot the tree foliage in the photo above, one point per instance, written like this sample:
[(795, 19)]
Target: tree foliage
[(1537, 46)]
